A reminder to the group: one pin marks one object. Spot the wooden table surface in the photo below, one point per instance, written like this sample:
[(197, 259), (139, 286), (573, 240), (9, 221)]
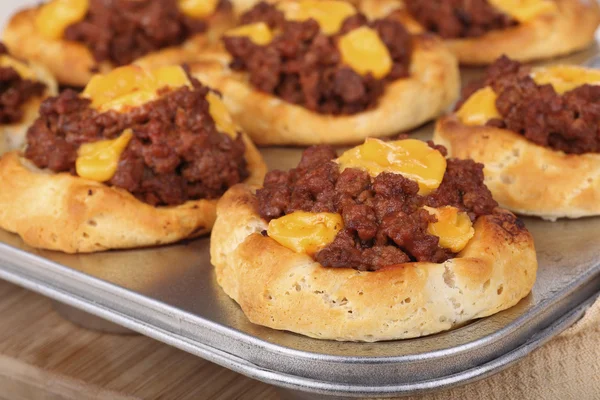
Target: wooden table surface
[(42, 356)]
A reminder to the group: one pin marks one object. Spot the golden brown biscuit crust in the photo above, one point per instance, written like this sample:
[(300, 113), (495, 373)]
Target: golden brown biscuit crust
[(12, 136), (572, 28), (284, 290), (524, 177), (76, 215), (406, 103), (74, 65)]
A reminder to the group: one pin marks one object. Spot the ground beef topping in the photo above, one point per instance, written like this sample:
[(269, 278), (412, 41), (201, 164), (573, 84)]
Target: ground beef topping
[(458, 18), (303, 66), (121, 31), (384, 222), (175, 155), (569, 122), (15, 92)]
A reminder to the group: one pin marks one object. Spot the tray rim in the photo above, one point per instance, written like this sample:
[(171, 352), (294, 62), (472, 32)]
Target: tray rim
[(14, 272)]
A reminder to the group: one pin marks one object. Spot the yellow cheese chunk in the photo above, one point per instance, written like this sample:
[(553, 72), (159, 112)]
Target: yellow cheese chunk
[(329, 14), (453, 227), (566, 77), (412, 158), (259, 33), (364, 52), (305, 232), (479, 108), (218, 111), (98, 161), (525, 10), (22, 69), (132, 86), (53, 18), (198, 8), (171, 76)]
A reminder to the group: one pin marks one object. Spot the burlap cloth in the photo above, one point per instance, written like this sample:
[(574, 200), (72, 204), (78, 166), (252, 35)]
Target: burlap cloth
[(567, 367)]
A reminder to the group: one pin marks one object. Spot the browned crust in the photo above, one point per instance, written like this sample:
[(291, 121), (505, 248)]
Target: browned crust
[(76, 215), (73, 64), (284, 290), (572, 28), (406, 103), (524, 177), (12, 136)]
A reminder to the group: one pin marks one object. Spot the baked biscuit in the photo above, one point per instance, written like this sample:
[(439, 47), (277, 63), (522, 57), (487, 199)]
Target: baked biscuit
[(539, 30), (24, 86), (39, 36), (536, 131), (288, 274), (111, 169), (331, 103)]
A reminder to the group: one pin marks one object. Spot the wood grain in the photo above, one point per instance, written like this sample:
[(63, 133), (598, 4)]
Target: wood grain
[(44, 357)]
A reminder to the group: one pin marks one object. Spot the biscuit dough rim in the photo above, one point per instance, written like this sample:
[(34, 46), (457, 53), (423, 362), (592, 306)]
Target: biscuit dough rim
[(59, 211), (406, 103), (524, 177), (548, 36), (283, 290), (73, 64)]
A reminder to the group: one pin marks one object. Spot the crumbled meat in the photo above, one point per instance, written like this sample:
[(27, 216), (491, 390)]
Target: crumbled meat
[(303, 66), (176, 154), (121, 31), (384, 222), (567, 122), (458, 18), (15, 92)]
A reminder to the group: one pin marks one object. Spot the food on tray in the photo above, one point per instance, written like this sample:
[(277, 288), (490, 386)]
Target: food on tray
[(76, 38), (480, 31), (309, 72), (138, 159), (537, 132), (23, 86), (390, 240)]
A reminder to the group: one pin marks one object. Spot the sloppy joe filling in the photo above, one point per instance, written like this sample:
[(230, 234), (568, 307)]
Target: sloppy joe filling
[(452, 19), (168, 151), (458, 18), (121, 31), (331, 64), (383, 221), (16, 87), (555, 108)]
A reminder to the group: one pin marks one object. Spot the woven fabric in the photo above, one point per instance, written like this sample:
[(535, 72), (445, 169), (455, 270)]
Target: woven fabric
[(567, 367)]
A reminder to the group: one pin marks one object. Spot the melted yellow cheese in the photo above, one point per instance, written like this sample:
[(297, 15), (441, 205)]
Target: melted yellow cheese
[(479, 108), (566, 77), (259, 33), (132, 86), (329, 14), (22, 69), (198, 8), (305, 232), (412, 158), (54, 17), (218, 111), (525, 10), (364, 52), (98, 161), (453, 227)]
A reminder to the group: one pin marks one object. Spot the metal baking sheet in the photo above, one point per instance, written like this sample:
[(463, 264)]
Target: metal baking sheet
[(170, 294)]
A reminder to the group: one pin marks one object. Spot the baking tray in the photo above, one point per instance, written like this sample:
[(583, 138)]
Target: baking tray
[(170, 294)]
